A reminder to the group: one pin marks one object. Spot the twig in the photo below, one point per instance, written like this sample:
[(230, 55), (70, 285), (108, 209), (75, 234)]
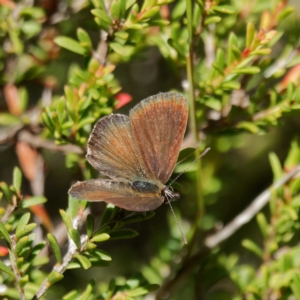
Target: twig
[(245, 216), (215, 239), (7, 135), (37, 142), (15, 269), (69, 256)]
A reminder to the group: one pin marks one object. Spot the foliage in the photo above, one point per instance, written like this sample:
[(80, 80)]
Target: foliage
[(237, 63)]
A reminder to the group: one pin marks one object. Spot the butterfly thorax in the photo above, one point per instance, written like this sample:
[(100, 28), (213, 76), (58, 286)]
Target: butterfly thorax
[(145, 187)]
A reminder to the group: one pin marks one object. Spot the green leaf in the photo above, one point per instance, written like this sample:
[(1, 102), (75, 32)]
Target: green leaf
[(6, 269), (264, 51), (84, 261), (48, 122), (285, 12), (35, 251), (17, 179), (295, 285), (24, 280), (66, 219), (88, 292), (84, 39), (250, 245), (150, 13), (250, 34), (54, 276), (212, 19), (69, 44), (117, 48), (36, 200), (128, 3), (100, 238), (73, 295), (90, 225), (139, 217), (108, 213), (8, 119), (249, 127), (140, 291), (27, 229), (31, 28), (4, 232), (263, 224), (225, 9), (115, 9), (6, 191), (23, 222), (123, 234), (276, 166), (99, 254), (86, 121), (55, 247), (231, 85), (122, 35), (21, 245), (247, 70), (102, 15), (75, 236)]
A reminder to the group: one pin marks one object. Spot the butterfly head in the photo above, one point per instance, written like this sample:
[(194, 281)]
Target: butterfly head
[(169, 194)]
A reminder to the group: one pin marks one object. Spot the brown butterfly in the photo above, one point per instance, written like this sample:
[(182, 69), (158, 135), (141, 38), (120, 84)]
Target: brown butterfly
[(138, 153)]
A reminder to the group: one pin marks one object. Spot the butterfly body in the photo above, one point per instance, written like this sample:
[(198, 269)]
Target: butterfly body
[(138, 153)]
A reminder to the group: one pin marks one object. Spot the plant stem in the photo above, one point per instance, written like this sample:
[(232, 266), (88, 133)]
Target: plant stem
[(192, 102), (13, 259)]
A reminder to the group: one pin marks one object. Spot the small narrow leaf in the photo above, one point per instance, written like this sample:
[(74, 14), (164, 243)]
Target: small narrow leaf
[(212, 19), (102, 15), (54, 276), (247, 70), (21, 245), (66, 219), (139, 218), (4, 232), (90, 225), (23, 222), (123, 234), (55, 246), (250, 245), (69, 44), (75, 236), (6, 269), (107, 214), (17, 179), (100, 238), (263, 224), (36, 200), (84, 261), (250, 34), (26, 230), (276, 166)]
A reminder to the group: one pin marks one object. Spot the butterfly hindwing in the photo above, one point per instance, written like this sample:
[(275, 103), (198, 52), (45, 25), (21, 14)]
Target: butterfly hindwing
[(132, 196)]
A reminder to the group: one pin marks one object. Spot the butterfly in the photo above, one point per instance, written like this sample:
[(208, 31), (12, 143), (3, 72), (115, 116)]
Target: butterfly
[(138, 153)]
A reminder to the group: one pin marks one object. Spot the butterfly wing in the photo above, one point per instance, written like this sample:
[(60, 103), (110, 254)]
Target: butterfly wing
[(132, 196), (158, 125), (112, 150)]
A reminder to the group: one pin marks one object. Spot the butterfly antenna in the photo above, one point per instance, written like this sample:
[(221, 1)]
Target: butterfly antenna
[(182, 234), (202, 154)]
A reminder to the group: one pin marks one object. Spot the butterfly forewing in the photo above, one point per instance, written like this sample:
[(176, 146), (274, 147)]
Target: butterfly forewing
[(132, 196), (113, 151), (158, 125)]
